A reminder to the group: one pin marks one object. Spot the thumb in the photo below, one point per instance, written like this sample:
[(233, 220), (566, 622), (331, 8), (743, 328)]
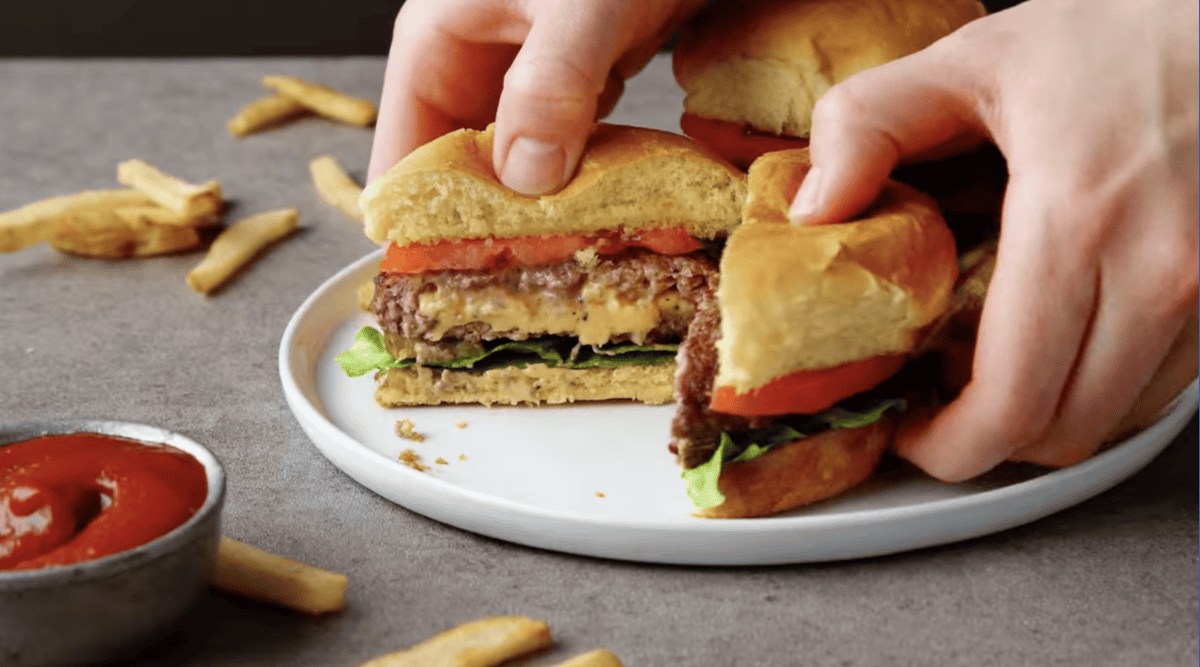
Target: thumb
[(906, 110), (550, 96)]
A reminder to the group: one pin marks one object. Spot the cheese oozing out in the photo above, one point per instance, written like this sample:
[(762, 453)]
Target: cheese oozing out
[(596, 316)]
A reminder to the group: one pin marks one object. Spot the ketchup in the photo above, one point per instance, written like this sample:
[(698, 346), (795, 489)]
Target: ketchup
[(82, 496)]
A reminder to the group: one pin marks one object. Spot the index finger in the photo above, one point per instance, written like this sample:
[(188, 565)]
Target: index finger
[(437, 80)]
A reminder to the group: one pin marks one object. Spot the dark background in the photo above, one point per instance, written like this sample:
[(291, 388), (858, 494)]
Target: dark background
[(73, 28)]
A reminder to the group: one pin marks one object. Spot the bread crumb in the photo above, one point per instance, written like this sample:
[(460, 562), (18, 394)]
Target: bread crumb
[(413, 460), (462, 457), (441, 461), (599, 494), (461, 424), (587, 257), (405, 428)]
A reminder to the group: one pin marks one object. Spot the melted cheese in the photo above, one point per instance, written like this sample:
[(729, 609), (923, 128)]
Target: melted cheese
[(595, 317)]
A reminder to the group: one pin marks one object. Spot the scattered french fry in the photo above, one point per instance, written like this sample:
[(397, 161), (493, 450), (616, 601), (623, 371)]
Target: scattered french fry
[(335, 186), (238, 244), (122, 233), (324, 100), (259, 575), (159, 215), (595, 658), (482, 643), (263, 113), (193, 202), (36, 222)]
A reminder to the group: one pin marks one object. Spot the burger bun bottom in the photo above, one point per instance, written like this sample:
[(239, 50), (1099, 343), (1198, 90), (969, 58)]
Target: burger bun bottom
[(801, 472)]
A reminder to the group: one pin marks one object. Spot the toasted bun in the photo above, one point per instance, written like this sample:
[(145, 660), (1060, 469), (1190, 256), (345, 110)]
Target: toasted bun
[(798, 297), (628, 177), (766, 63), (532, 385), (801, 472)]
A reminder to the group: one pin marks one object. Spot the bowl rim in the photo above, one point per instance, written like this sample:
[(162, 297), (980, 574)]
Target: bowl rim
[(14, 580)]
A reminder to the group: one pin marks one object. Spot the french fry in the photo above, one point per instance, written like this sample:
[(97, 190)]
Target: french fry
[(259, 575), (159, 215), (121, 233), (192, 202), (263, 113), (324, 100), (335, 186), (35, 223), (237, 245), (595, 658), (482, 643)]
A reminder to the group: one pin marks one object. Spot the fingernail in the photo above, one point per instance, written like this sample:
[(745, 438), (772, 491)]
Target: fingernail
[(804, 206), (533, 167)]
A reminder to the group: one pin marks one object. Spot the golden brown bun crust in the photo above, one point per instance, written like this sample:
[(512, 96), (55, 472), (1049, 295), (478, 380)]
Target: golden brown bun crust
[(801, 472), (798, 297), (767, 62), (532, 385), (628, 177)]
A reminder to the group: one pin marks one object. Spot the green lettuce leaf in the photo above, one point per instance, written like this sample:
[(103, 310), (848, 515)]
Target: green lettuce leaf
[(369, 354), (702, 487)]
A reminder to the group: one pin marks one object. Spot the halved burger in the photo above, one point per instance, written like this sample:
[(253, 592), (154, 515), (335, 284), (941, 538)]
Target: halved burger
[(488, 296), (782, 385)]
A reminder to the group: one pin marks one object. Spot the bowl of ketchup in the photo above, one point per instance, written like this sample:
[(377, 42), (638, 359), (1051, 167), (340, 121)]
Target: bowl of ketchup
[(108, 535)]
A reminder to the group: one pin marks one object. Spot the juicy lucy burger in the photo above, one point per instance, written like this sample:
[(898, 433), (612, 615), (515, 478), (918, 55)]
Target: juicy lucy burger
[(754, 70), (782, 384), (488, 296)]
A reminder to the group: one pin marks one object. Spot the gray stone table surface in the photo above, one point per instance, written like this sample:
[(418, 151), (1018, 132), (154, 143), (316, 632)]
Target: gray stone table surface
[(1111, 581)]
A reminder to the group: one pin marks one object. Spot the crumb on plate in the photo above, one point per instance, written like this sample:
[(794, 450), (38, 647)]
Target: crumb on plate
[(413, 460), (405, 428)]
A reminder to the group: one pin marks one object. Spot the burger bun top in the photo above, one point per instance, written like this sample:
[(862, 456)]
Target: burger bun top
[(766, 62)]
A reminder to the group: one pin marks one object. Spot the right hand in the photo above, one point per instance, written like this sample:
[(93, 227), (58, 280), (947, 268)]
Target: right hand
[(1094, 105), (543, 70)]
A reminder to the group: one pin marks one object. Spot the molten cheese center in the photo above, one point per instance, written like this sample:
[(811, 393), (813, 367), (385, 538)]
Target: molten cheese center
[(595, 317)]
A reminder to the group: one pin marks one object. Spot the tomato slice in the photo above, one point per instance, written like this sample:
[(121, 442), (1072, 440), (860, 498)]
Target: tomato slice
[(534, 250), (809, 391), (737, 142)]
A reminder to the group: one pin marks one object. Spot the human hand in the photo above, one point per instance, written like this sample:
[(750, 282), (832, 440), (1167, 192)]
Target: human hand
[(542, 70), (1094, 106)]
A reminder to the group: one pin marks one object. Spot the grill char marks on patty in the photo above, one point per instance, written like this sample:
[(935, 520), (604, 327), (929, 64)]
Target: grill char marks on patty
[(632, 277)]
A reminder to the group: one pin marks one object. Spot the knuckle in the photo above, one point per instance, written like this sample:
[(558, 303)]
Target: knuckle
[(842, 103), (552, 78), (1012, 420)]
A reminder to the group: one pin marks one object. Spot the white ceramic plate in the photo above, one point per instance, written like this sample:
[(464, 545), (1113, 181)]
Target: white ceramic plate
[(598, 480)]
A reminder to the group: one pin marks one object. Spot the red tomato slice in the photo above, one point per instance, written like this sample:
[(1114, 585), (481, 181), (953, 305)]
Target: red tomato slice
[(664, 241), (806, 392), (535, 250), (736, 142)]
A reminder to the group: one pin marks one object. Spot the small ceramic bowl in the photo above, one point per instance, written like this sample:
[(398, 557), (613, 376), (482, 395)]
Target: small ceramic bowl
[(107, 608)]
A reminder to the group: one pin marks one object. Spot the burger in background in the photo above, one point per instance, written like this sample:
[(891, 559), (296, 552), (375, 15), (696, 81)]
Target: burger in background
[(753, 71)]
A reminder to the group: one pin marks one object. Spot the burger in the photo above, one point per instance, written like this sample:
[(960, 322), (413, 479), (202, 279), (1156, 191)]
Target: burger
[(488, 296), (754, 70), (786, 385)]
